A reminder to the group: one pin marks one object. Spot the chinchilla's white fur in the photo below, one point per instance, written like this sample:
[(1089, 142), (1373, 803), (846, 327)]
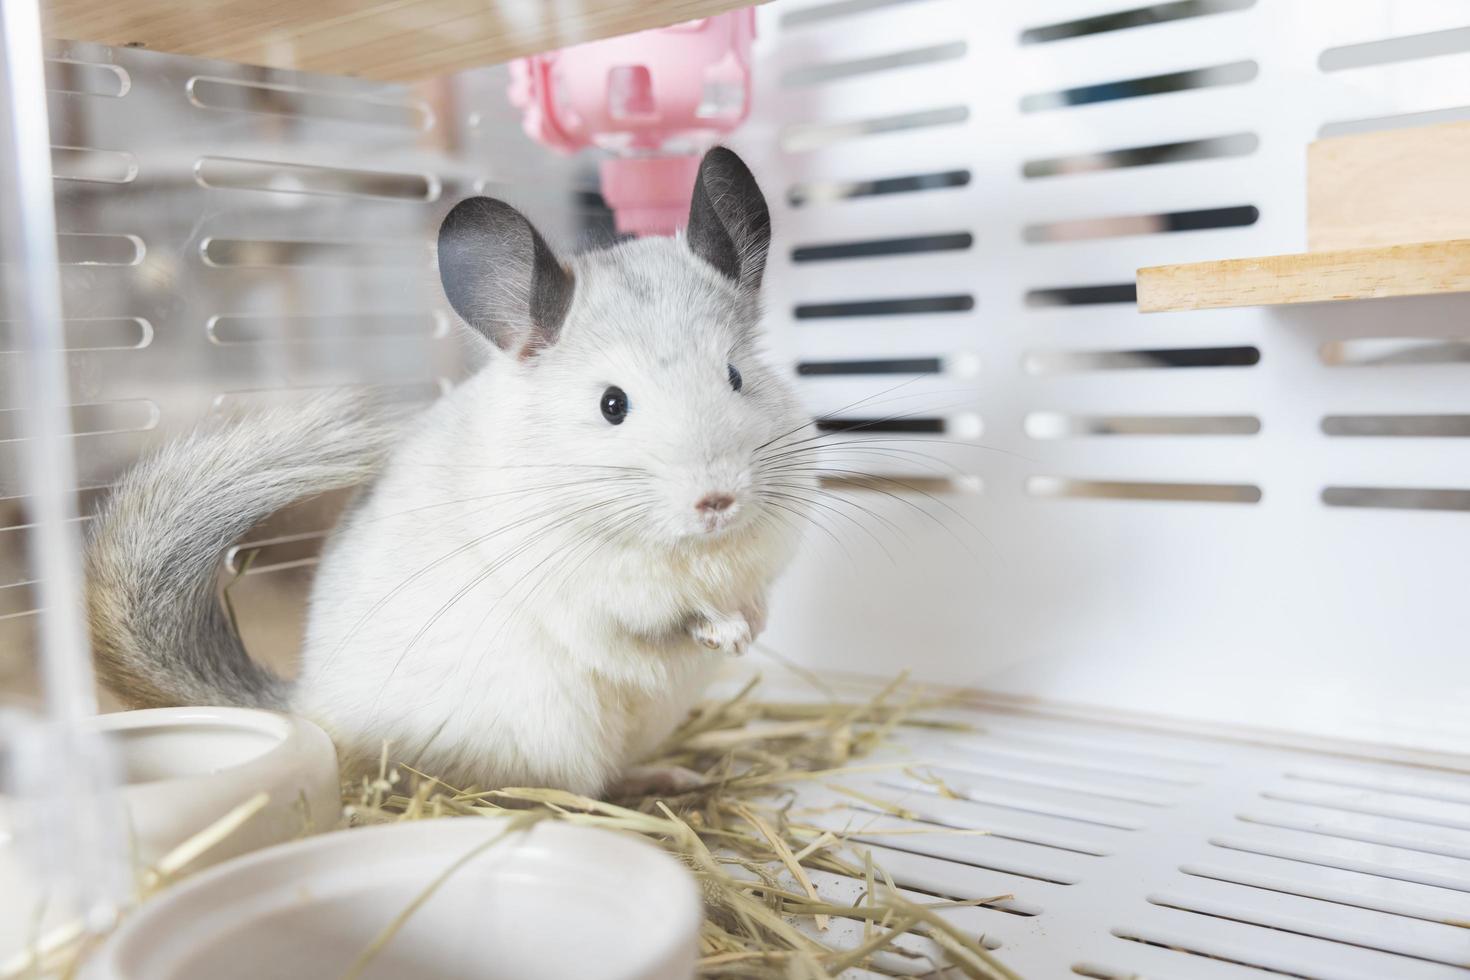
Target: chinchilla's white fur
[(554, 647), (527, 594)]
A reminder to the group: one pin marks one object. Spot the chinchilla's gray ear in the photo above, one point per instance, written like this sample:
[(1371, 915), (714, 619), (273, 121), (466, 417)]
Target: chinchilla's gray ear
[(729, 223), (501, 277)]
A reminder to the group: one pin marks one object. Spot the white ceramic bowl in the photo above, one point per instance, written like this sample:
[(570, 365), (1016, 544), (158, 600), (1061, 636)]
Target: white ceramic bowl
[(184, 769), (554, 902)]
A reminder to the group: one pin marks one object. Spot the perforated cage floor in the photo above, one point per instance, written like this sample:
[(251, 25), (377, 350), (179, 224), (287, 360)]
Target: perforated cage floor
[(1131, 852)]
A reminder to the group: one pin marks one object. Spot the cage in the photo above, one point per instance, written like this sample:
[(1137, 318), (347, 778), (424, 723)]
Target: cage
[(1201, 571)]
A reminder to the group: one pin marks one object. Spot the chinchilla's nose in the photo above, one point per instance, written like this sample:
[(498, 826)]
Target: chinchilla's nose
[(714, 503)]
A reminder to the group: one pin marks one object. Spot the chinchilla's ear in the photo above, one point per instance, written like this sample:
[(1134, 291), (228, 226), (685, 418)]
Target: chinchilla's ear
[(501, 277), (729, 224)]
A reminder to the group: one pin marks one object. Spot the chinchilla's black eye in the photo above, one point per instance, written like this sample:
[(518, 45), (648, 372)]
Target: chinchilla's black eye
[(736, 382), (614, 405)]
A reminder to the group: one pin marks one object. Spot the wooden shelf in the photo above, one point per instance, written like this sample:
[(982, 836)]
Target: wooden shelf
[(1386, 216), (389, 40), (1419, 269)]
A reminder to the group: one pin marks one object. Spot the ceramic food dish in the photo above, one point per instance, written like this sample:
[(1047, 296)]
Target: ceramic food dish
[(182, 770), (551, 902)]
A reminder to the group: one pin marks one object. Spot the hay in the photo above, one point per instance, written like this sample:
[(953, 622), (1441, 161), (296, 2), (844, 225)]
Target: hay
[(734, 827)]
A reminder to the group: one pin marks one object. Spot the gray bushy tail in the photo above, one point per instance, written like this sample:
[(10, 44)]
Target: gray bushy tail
[(160, 633)]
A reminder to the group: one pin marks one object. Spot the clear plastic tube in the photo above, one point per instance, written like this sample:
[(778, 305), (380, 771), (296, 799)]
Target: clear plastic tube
[(62, 798)]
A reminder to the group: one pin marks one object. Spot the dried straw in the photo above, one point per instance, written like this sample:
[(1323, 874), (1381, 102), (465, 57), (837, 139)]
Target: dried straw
[(734, 828)]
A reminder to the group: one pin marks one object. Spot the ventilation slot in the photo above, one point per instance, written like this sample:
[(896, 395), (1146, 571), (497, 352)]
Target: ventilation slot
[(825, 191), (1213, 148), (1018, 869), (1392, 784), (1411, 47), (1059, 362), (1122, 20), (1395, 351), (889, 484), (89, 249), (357, 327), (1437, 426), (15, 512), (952, 242), (1123, 292), (1342, 935), (1234, 73), (927, 426), (834, 11), (1372, 830), (289, 100), (886, 307), (1079, 776), (990, 797), (93, 166), (17, 600), (1191, 947), (90, 419), (912, 365), (812, 136), (1397, 498), (231, 173), (84, 78), (1007, 905), (1447, 873), (818, 74), (1323, 893), (1214, 493), (1019, 834), (1407, 120), (1128, 225), (100, 333), (262, 253), (1055, 425)]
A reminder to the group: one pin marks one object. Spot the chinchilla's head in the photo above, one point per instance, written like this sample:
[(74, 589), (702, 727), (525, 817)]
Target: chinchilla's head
[(636, 371)]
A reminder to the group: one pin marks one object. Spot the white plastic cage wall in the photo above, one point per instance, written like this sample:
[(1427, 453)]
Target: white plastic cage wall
[(1215, 521)]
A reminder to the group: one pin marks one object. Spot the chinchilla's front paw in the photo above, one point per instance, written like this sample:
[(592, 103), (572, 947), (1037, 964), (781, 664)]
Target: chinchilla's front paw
[(727, 632)]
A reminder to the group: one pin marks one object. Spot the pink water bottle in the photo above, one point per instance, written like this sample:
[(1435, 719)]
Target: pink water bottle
[(656, 100)]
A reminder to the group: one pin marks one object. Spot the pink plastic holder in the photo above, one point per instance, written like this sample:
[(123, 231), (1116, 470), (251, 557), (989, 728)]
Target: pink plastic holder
[(656, 99)]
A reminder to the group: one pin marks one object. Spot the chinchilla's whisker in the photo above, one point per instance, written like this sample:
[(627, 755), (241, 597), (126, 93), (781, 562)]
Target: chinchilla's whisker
[(591, 482), (844, 408), (803, 515), (548, 512), (864, 425), (813, 502), (817, 496), (862, 477), (474, 582), (846, 500), (844, 437), (933, 463), (600, 532), (871, 482)]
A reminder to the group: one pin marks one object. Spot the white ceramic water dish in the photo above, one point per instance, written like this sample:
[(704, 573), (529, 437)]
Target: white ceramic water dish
[(551, 902), (182, 769)]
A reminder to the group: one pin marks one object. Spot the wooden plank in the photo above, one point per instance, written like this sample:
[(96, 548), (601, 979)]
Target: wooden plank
[(1390, 188), (1309, 277), (388, 40)]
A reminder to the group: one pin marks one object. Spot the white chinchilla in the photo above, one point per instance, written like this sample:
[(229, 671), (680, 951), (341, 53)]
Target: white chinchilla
[(548, 562)]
